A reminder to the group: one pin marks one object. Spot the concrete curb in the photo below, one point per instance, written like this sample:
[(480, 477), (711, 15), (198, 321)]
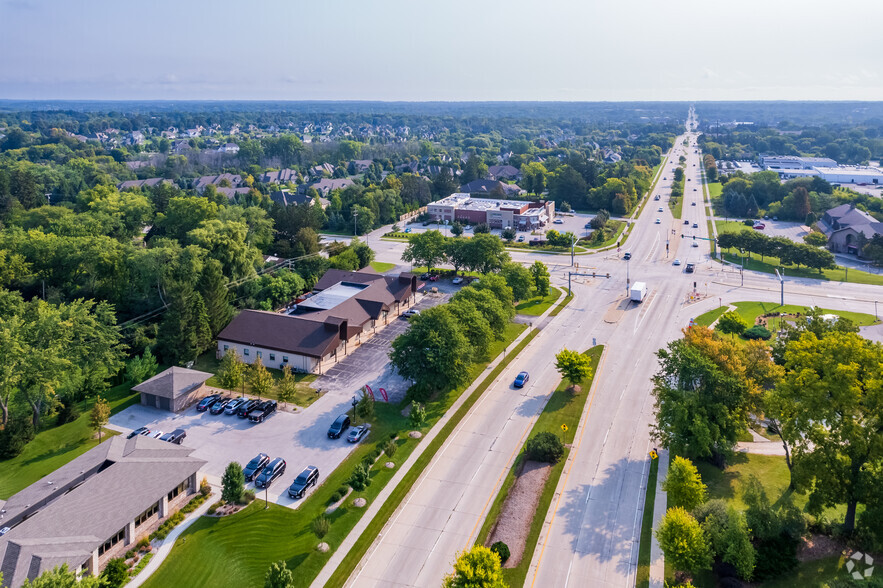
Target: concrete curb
[(657, 559)]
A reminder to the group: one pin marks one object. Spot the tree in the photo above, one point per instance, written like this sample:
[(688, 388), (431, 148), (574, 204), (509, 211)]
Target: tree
[(287, 385), (216, 296), (62, 577), (233, 483), (815, 238), (139, 369), (232, 371), (481, 229), (456, 229), (417, 415), (574, 367), (278, 576), (473, 169), (360, 478), (684, 484), (485, 253), (682, 540), (99, 415), (508, 234), (540, 278), (116, 573), (425, 249), (477, 568), (202, 330), (260, 378), (544, 446), (731, 323), (519, 279), (474, 325), (730, 540), (827, 409), (433, 352)]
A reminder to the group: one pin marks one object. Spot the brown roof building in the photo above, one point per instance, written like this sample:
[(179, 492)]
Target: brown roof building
[(174, 389)]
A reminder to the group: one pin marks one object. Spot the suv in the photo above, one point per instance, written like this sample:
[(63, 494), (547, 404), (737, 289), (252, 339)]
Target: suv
[(246, 407), (234, 405), (627, 256), (255, 466), (689, 269), (262, 411), (339, 426), (176, 436), (207, 402), (308, 477), (219, 406), (273, 470)]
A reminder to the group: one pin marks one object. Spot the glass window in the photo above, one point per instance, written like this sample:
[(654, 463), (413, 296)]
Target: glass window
[(284, 359), (259, 354), (245, 352), (226, 347), (272, 357)]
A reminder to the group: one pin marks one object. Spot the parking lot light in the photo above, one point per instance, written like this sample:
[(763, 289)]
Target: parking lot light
[(355, 402)]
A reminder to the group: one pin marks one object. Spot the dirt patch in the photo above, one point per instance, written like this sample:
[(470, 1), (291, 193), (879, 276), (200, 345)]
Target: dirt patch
[(520, 506), (818, 546)]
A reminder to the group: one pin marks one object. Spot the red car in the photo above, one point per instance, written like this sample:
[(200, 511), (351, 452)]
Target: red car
[(759, 226), (433, 278)]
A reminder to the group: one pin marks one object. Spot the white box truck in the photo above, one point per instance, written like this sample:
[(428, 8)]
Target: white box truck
[(639, 292)]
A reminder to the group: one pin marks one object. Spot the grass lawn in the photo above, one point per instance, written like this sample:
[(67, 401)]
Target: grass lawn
[(812, 573), (751, 310), (563, 407), (642, 577), (707, 318), (714, 189), (304, 395), (52, 448), (293, 539), (381, 267), (538, 305), (620, 227), (677, 208)]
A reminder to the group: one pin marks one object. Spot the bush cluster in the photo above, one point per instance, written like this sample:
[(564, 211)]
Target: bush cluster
[(502, 550), (164, 529), (545, 446)]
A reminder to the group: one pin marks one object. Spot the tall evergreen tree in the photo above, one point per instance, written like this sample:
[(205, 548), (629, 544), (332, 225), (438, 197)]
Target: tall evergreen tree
[(216, 296)]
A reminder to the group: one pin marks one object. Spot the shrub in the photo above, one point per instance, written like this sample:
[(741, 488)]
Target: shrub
[(360, 478), (335, 497), (233, 482), (321, 525), (775, 556), (214, 508), (870, 528), (130, 554), (417, 415), (68, 413), (390, 447), (343, 490), (392, 436), (194, 503), (204, 487), (502, 550), (757, 332), (144, 543), (165, 528), (247, 497), (365, 407), (748, 222), (115, 574), (19, 432), (545, 447)]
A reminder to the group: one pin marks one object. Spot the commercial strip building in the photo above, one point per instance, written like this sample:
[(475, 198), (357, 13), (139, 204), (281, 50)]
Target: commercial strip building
[(344, 310), (95, 508), (789, 167), (499, 214)]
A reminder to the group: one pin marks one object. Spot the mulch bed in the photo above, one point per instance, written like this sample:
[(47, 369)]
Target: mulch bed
[(513, 523)]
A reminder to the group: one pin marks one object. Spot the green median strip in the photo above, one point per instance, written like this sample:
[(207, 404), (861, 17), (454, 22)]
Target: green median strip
[(642, 578)]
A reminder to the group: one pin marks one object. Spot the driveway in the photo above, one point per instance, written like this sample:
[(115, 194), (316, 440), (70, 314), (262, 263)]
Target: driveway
[(300, 439)]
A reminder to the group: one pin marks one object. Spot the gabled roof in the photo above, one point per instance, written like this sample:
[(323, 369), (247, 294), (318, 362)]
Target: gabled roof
[(288, 198), (302, 334), (172, 383)]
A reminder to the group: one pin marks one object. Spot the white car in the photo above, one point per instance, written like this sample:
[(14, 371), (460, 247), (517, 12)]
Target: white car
[(658, 221), (659, 209), (677, 262), (457, 280), (558, 221), (695, 244)]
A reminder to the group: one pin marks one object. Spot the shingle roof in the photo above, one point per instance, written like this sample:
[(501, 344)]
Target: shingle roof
[(175, 381)]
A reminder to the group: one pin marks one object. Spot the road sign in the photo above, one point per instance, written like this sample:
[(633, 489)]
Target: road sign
[(564, 428), (653, 454)]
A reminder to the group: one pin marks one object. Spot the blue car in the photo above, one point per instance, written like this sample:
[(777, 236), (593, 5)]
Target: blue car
[(521, 379)]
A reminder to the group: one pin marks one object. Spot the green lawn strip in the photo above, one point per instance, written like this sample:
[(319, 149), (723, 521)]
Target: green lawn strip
[(751, 310), (642, 577), (620, 227), (537, 306), (304, 395), (56, 446), (677, 208), (711, 240), (563, 408), (706, 319), (382, 267), (818, 572), (714, 189), (561, 305)]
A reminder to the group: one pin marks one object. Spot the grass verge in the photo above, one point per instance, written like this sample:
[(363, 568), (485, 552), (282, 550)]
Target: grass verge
[(54, 447), (381, 267), (564, 408), (561, 305), (537, 306), (706, 319), (642, 577), (304, 395), (751, 310), (714, 190), (677, 209)]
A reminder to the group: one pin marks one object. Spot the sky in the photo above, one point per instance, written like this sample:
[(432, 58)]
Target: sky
[(447, 50)]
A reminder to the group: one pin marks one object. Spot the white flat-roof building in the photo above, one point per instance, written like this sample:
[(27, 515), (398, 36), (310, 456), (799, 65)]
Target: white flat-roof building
[(849, 174)]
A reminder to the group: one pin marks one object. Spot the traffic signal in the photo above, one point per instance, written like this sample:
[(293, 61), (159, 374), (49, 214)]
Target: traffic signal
[(694, 237)]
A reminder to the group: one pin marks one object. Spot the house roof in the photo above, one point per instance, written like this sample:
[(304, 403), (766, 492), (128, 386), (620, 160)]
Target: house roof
[(300, 334), (279, 177), (172, 383), (326, 185), (68, 518), (488, 186), (503, 171), (288, 198)]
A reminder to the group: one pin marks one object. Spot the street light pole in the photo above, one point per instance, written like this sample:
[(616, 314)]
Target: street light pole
[(572, 246), (355, 402), (742, 267), (355, 224)]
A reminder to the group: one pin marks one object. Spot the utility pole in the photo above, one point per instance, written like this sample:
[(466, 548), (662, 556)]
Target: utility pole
[(355, 224), (742, 267), (572, 247), (781, 278)]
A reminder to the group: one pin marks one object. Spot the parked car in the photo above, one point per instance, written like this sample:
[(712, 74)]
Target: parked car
[(339, 426), (308, 477), (408, 230), (424, 276), (459, 280), (207, 402), (219, 406), (246, 407), (433, 278), (176, 436), (759, 226), (558, 221), (689, 268), (255, 466), (139, 431), (521, 379), (627, 256), (409, 313), (234, 405), (357, 433), (262, 411), (677, 262), (521, 238), (271, 471), (156, 434)]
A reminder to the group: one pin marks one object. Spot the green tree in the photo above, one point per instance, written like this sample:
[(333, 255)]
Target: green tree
[(216, 296), (682, 540), (474, 325), (232, 371), (485, 253), (473, 169), (278, 576), (62, 577), (684, 484), (233, 483), (730, 540), (11, 353), (260, 378), (477, 568), (827, 408), (731, 323), (139, 369), (541, 281), (202, 334), (417, 415), (287, 385), (433, 352), (508, 234), (816, 239), (425, 249), (360, 478), (574, 367), (116, 573), (99, 415), (519, 279), (456, 229), (497, 312), (544, 446)]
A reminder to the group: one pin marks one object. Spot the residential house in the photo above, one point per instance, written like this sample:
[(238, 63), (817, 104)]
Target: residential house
[(490, 187), (231, 148), (317, 171), (282, 176), (326, 185), (234, 180), (843, 224), (504, 172), (362, 165), (148, 183), (181, 146), (288, 198)]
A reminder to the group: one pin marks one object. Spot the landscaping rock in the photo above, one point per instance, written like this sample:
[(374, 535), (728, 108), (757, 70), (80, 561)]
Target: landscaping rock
[(323, 547), (390, 464), (576, 389), (415, 434), (359, 502)]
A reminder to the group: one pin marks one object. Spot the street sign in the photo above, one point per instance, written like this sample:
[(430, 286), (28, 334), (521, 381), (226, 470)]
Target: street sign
[(564, 428), (653, 454)]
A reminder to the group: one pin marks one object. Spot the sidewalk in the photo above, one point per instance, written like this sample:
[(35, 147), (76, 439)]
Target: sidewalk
[(169, 542), (657, 560)]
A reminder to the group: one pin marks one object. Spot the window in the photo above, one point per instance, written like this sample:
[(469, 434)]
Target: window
[(226, 347), (284, 359), (178, 489), (121, 534), (259, 354), (245, 352), (272, 357), (142, 518)]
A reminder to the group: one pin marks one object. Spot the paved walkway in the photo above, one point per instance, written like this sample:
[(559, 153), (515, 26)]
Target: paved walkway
[(166, 545), (657, 559)]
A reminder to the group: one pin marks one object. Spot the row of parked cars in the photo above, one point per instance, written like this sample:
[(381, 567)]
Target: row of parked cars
[(177, 436), (252, 409), (264, 472)]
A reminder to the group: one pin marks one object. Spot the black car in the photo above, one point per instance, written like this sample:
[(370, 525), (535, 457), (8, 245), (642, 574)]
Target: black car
[(690, 267), (255, 466), (219, 406), (176, 436), (339, 426), (139, 431), (247, 407), (207, 402), (308, 477), (261, 411), (627, 255), (273, 470)]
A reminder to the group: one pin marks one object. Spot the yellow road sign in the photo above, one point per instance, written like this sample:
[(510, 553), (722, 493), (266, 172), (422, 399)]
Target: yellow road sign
[(653, 454), (564, 428)]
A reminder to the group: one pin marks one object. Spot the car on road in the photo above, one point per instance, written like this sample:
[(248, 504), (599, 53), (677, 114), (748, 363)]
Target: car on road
[(695, 244), (695, 225), (558, 221), (308, 477), (694, 189), (246, 407), (676, 262), (656, 197), (234, 405), (457, 280), (219, 406), (692, 204), (254, 467), (664, 178), (176, 436), (689, 269), (339, 426), (408, 230), (658, 221), (521, 379), (659, 209), (207, 402), (271, 471), (358, 433), (409, 313), (686, 222), (139, 431), (521, 238), (262, 411), (627, 256), (426, 224)]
